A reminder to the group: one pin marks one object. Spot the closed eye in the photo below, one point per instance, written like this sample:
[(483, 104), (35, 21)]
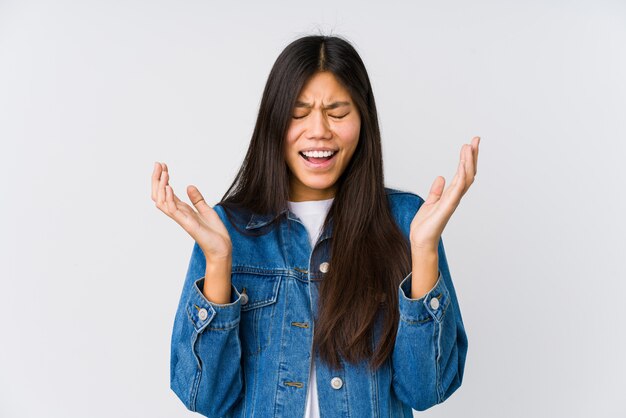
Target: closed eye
[(332, 116)]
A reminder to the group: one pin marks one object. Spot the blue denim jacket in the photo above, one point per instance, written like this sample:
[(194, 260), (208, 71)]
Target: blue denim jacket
[(251, 357)]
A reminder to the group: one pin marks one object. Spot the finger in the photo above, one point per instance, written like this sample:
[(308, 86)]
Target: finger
[(436, 189), (460, 167), (172, 206), (465, 157), (169, 200), (166, 171), (469, 166), (475, 145), (156, 174), (198, 200), (176, 199), (457, 187), (201, 205), (460, 187), (161, 189)]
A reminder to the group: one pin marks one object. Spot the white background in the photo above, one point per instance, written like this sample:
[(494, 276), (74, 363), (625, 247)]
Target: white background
[(93, 92)]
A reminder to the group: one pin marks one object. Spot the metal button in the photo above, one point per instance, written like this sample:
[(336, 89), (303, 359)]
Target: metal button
[(434, 303), (324, 267), (244, 298), (203, 314), (336, 382)]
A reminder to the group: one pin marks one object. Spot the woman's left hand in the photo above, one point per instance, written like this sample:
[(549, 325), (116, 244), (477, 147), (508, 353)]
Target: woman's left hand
[(435, 212)]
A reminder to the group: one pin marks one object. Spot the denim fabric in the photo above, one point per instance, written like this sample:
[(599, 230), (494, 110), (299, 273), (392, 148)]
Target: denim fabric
[(251, 357)]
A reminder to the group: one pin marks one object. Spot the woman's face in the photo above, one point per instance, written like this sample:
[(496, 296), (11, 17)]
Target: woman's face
[(325, 125)]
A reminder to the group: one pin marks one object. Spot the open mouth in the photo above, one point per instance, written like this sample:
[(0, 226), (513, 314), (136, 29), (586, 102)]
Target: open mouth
[(318, 157)]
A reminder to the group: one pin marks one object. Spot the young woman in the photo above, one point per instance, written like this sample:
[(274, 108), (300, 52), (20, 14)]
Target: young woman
[(313, 289)]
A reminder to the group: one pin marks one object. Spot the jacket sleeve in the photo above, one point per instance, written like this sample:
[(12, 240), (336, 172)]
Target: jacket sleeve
[(429, 353), (205, 361)]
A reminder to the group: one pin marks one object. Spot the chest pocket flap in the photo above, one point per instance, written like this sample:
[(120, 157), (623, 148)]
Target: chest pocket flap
[(257, 309), (260, 289)]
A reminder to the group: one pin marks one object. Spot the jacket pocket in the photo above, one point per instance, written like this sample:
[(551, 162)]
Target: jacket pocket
[(257, 309)]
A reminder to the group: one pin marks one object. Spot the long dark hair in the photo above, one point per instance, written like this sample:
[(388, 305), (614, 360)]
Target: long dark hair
[(369, 254)]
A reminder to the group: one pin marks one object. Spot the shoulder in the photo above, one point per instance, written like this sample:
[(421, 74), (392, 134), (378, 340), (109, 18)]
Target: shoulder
[(232, 215), (403, 205), (239, 220), (403, 199)]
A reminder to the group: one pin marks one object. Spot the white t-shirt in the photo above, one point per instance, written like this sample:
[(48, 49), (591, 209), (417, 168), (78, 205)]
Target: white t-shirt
[(313, 214)]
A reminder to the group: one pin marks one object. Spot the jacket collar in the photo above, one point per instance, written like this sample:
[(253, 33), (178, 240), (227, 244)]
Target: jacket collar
[(258, 221)]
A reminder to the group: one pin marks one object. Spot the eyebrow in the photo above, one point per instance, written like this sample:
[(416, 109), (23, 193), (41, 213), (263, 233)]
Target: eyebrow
[(333, 105)]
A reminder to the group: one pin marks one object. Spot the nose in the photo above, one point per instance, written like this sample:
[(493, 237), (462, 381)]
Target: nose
[(318, 127)]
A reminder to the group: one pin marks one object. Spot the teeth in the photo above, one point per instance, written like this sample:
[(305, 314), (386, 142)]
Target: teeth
[(318, 154)]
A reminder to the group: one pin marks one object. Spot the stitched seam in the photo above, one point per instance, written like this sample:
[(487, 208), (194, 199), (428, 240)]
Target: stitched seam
[(438, 366), (254, 387), (281, 351), (421, 321), (259, 270), (346, 385), (194, 336), (225, 328), (194, 389), (374, 377)]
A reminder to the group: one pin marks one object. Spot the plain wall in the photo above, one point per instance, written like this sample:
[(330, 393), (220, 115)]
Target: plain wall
[(93, 92)]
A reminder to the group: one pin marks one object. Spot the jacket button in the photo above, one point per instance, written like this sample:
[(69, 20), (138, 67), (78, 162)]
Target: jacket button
[(244, 298), (203, 314), (336, 382), (434, 303), (324, 267)]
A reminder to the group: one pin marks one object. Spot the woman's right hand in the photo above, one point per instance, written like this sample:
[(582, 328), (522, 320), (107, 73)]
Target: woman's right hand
[(204, 225)]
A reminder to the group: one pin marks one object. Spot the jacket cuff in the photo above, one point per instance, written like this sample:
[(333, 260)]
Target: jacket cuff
[(203, 312), (432, 305)]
